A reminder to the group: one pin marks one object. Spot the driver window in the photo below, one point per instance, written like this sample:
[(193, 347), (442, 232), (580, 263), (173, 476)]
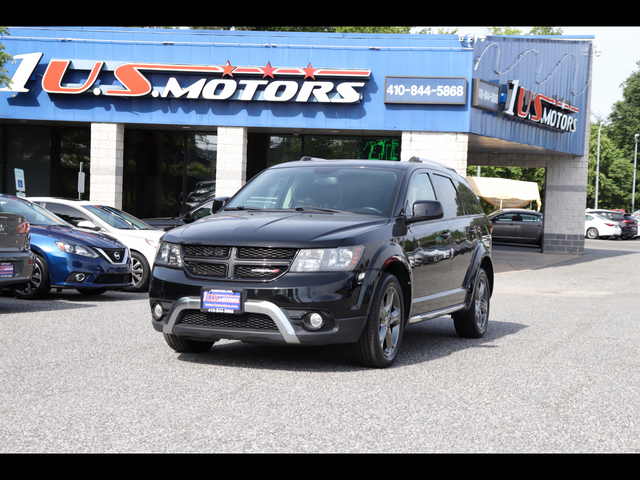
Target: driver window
[(420, 188)]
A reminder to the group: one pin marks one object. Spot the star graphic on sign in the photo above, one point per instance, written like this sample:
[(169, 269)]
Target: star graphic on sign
[(227, 69), (268, 70), (309, 71)]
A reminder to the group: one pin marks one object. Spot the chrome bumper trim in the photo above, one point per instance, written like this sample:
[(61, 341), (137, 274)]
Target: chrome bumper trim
[(251, 306)]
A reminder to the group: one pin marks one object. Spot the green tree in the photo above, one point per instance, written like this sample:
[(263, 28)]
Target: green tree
[(615, 173), (625, 116), (533, 31), (4, 58)]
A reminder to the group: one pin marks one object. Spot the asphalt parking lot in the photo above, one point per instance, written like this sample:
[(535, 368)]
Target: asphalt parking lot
[(557, 371)]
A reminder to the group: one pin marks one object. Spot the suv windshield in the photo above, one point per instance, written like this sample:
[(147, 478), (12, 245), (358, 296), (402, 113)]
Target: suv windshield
[(369, 190)]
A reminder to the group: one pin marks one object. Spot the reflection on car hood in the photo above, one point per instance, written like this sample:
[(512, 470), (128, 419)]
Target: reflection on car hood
[(70, 234), (294, 229)]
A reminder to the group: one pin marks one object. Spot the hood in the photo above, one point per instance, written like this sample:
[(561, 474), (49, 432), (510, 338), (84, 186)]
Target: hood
[(75, 235), (284, 229)]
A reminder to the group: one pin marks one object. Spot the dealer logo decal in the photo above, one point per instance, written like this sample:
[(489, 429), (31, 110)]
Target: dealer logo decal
[(218, 82)]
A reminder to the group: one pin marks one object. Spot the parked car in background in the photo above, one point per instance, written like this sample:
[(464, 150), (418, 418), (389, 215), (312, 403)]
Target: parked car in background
[(141, 238), (16, 258), (516, 225), (167, 223), (204, 191), (596, 226), (628, 224), (67, 257)]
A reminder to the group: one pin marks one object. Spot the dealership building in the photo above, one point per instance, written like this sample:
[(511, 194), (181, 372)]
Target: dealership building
[(151, 115)]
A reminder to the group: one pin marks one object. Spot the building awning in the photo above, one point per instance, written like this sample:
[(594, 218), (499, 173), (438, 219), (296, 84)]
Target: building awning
[(505, 193)]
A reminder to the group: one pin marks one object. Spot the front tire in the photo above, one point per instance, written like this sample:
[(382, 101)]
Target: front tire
[(380, 341), (141, 273), (39, 285), (473, 323), (184, 345)]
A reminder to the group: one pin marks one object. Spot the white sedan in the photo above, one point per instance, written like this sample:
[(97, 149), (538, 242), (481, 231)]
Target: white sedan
[(142, 239), (596, 226)]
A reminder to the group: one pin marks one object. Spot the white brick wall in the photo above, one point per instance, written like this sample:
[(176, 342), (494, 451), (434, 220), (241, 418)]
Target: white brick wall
[(231, 164), (447, 148), (107, 159)]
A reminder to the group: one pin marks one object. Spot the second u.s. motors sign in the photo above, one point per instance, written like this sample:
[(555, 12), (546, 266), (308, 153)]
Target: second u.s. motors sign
[(540, 109), (193, 82)]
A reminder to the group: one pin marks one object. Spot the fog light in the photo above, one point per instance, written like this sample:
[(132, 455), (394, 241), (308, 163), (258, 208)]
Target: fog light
[(157, 311), (80, 277), (315, 320)]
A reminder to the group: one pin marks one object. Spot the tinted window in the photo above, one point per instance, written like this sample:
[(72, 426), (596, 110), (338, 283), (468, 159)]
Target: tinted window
[(469, 200), (68, 214), (420, 188), (448, 196)]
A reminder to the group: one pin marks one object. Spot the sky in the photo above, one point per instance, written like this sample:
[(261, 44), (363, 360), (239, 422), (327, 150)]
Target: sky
[(614, 65)]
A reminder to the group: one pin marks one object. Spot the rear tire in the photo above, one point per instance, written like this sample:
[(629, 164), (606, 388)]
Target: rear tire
[(39, 285), (184, 345), (592, 233), (381, 338), (473, 323)]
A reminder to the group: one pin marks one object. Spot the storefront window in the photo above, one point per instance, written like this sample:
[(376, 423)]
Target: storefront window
[(289, 148), (167, 173)]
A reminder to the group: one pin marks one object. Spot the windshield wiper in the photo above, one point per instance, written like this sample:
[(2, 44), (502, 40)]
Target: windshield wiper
[(242, 207), (317, 209)]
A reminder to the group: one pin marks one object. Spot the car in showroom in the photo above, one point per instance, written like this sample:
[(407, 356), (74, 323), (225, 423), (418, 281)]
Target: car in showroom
[(596, 226), (196, 213), (67, 257), (141, 238), (628, 223), (317, 252), (16, 258), (516, 225)]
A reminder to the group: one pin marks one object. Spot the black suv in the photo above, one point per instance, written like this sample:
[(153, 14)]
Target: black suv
[(328, 251)]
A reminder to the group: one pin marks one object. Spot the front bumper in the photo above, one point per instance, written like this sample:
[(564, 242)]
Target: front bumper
[(277, 312), (261, 322)]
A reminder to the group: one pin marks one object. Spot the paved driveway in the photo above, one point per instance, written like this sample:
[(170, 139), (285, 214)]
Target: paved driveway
[(558, 371)]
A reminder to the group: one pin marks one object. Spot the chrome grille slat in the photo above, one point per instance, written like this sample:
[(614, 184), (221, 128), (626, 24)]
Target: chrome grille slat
[(254, 264)]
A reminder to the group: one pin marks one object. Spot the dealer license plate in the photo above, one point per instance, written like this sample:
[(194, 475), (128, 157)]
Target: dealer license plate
[(6, 269), (221, 301)]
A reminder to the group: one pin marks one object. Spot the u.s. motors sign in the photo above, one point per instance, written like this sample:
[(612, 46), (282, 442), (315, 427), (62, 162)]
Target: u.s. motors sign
[(193, 82), (540, 109)]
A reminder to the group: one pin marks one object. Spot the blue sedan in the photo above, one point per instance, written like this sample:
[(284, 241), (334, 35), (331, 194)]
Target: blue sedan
[(67, 257)]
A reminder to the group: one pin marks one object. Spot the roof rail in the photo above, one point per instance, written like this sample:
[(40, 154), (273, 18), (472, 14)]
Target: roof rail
[(425, 160)]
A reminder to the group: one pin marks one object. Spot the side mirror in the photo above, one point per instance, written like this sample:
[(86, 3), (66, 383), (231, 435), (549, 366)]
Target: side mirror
[(425, 210), (88, 225), (218, 203)]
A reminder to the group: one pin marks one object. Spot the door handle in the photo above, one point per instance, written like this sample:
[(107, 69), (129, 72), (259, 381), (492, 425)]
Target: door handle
[(446, 234)]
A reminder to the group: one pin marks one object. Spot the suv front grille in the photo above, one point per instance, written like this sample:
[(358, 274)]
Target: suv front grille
[(258, 264), (245, 321)]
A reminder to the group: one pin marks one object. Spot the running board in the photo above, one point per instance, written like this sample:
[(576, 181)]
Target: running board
[(436, 313)]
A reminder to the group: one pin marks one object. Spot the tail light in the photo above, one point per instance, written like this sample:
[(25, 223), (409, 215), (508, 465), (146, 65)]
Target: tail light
[(610, 224), (23, 227)]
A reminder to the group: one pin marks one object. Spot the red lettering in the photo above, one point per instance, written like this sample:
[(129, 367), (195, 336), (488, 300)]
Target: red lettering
[(52, 80)]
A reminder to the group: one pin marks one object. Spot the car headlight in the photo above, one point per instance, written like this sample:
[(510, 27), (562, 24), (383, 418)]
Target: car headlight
[(341, 259), (77, 249), (169, 255)]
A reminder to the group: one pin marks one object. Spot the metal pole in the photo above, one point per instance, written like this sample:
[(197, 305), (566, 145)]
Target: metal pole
[(633, 190), (598, 166)]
